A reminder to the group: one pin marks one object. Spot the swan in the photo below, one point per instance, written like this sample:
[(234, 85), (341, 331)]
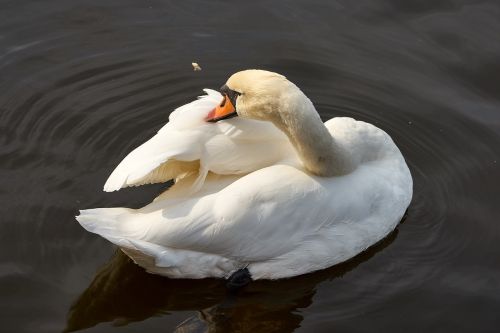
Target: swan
[(261, 185)]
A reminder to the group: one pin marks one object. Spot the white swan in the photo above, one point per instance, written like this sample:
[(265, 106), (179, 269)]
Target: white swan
[(274, 190)]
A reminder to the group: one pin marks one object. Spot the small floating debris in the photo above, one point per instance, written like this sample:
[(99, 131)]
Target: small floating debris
[(409, 123), (196, 67)]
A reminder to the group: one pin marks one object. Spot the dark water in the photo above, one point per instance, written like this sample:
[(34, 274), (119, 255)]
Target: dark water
[(84, 82)]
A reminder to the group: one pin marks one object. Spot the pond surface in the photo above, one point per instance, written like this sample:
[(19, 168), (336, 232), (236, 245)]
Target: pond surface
[(84, 82)]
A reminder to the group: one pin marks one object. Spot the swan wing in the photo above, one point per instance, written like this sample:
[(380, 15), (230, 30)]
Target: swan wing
[(240, 219), (188, 144), (278, 220)]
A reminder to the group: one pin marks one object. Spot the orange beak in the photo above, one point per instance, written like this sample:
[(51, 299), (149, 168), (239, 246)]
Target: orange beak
[(224, 110)]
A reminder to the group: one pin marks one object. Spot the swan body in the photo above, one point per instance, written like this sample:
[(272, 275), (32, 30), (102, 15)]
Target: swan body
[(274, 190)]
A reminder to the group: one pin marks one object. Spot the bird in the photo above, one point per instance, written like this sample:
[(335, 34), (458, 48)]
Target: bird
[(262, 188)]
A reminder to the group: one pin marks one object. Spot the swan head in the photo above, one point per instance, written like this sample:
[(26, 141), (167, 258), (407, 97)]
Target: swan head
[(255, 94), (267, 96)]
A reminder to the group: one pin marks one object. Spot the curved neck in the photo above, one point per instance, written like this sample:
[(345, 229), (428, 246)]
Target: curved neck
[(320, 153)]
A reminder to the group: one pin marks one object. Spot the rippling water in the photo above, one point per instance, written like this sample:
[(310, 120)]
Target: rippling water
[(84, 82)]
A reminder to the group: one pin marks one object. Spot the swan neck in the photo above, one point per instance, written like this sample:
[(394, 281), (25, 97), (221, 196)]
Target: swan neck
[(319, 151)]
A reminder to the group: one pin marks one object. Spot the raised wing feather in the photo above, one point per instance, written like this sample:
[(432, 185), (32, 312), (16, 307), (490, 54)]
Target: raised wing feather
[(188, 144)]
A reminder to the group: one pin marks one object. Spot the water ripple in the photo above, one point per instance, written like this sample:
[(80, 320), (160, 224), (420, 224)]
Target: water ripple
[(83, 84)]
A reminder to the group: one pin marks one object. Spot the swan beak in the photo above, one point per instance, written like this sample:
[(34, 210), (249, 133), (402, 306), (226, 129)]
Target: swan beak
[(224, 110)]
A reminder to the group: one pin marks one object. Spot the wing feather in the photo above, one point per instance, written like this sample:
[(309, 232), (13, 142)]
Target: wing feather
[(188, 144)]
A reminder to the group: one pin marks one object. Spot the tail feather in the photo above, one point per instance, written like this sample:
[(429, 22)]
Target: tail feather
[(117, 226), (101, 221), (110, 223)]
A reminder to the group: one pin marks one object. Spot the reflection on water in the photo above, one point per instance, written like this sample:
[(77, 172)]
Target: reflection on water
[(123, 292), (84, 82)]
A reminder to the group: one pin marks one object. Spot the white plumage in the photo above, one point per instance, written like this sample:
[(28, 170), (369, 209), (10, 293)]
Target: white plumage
[(188, 143), (244, 196)]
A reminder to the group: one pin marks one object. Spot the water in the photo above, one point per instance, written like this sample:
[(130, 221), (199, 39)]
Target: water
[(84, 82)]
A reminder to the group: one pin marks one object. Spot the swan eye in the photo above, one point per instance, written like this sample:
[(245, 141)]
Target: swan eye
[(231, 95)]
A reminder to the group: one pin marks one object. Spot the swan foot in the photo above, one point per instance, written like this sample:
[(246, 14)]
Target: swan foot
[(238, 279)]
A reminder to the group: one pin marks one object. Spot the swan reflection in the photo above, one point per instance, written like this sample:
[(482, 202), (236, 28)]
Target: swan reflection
[(123, 292)]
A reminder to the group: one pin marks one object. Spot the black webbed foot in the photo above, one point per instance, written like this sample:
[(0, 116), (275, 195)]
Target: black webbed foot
[(238, 279)]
